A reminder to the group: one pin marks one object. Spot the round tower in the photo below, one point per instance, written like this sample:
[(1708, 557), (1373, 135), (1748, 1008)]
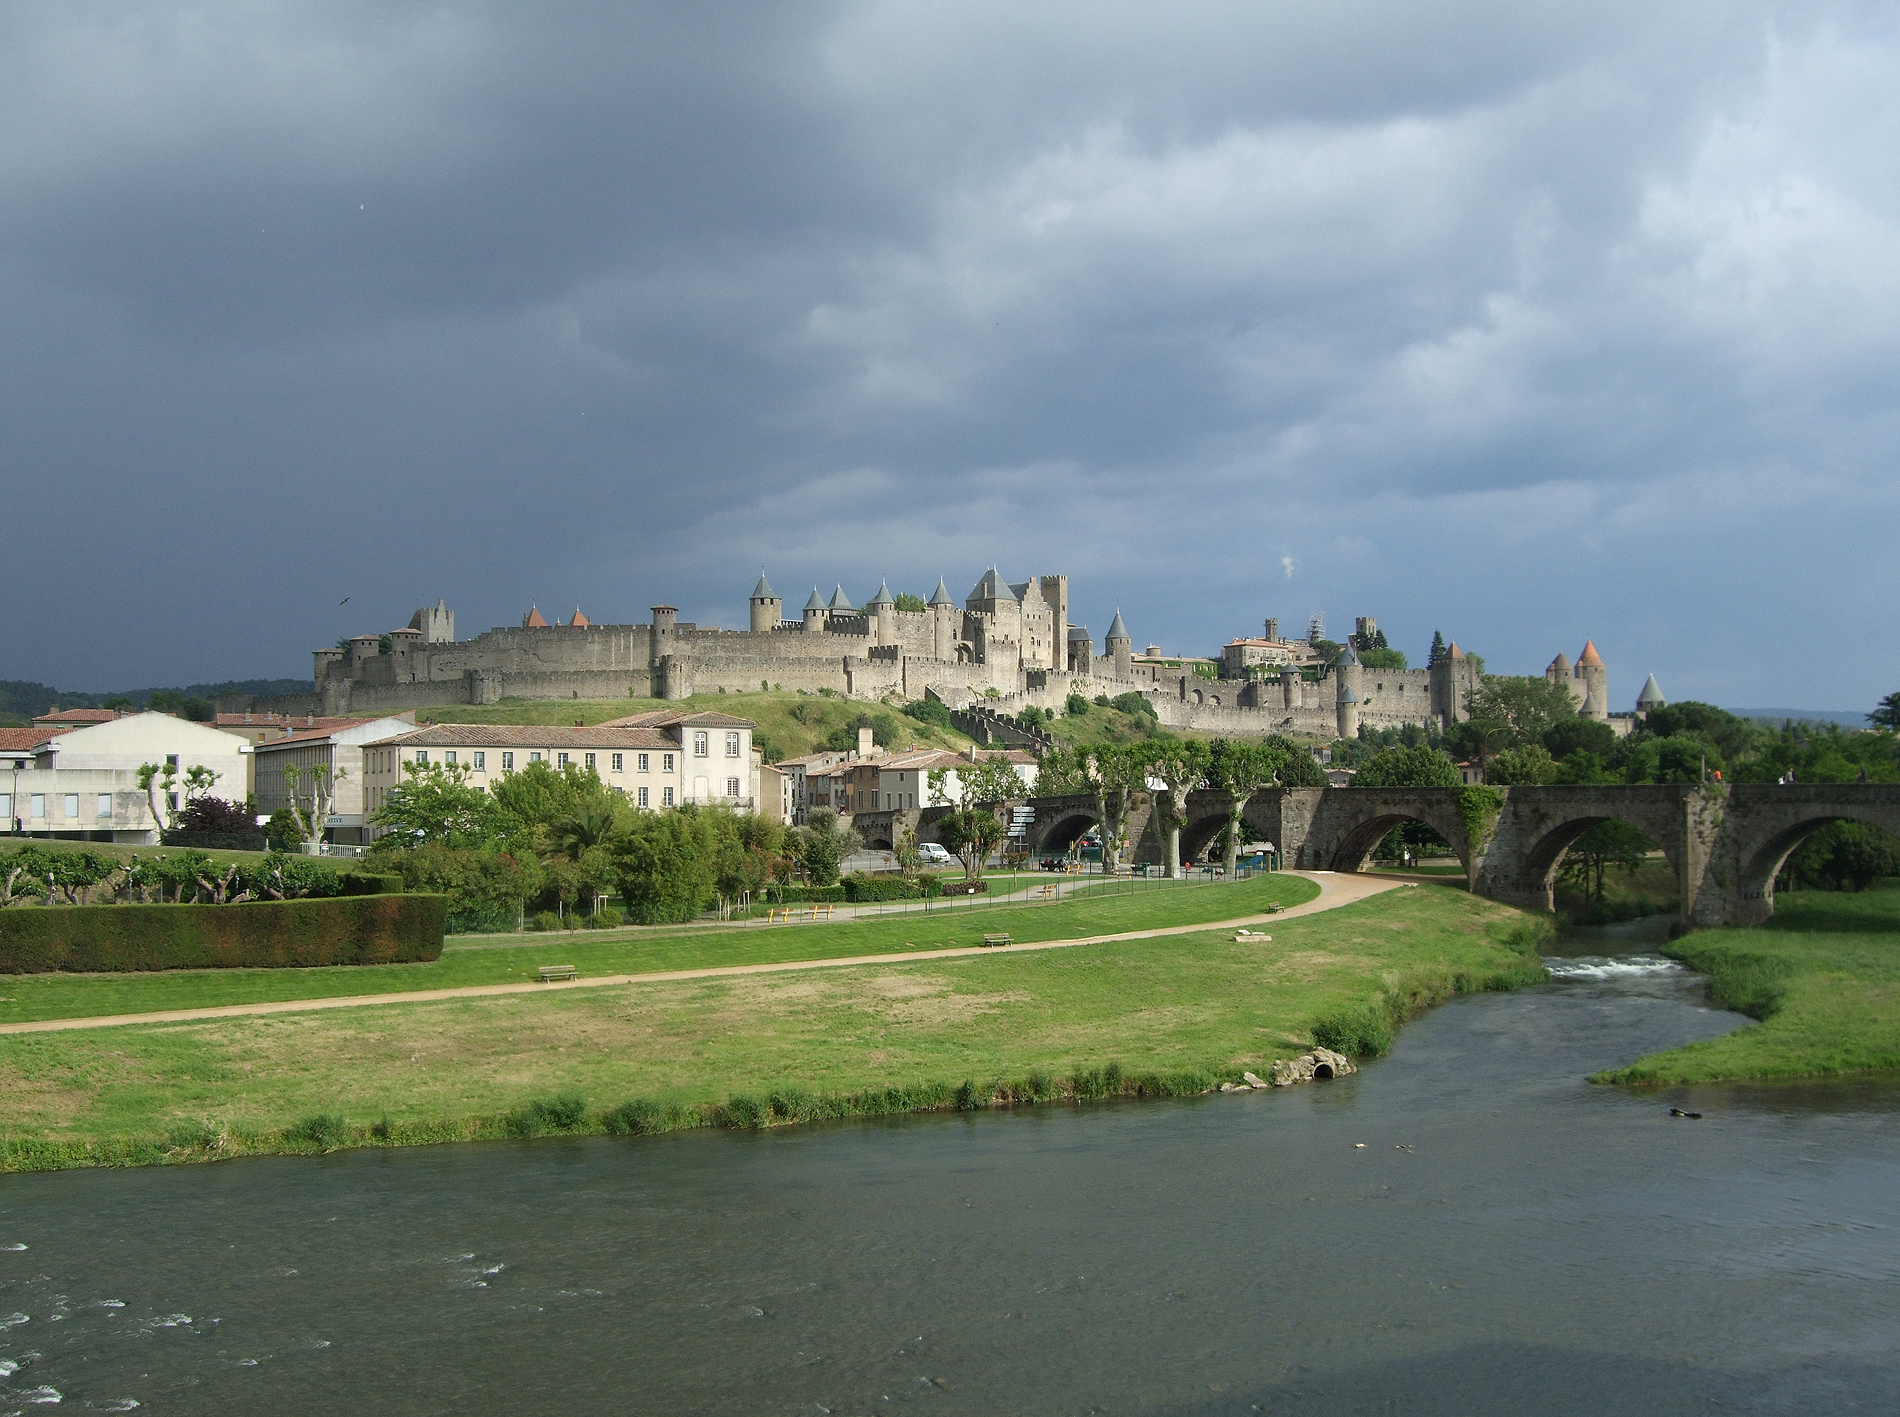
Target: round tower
[(815, 613), (661, 643), (943, 622), (767, 608), (1651, 697), (1121, 647), (1348, 711), (1596, 684), (1081, 650), (1292, 688), (1349, 679), (883, 612)]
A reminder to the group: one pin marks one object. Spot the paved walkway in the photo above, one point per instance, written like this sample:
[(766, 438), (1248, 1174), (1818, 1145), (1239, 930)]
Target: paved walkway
[(1335, 891)]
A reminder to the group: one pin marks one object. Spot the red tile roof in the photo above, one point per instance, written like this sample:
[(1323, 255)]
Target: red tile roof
[(513, 735), (666, 718), (579, 620), (78, 715), (1589, 659), (25, 740), (534, 620)]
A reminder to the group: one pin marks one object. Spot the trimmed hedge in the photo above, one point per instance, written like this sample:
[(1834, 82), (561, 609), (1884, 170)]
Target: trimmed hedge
[(801, 895), (862, 887), (366, 929), (361, 883)]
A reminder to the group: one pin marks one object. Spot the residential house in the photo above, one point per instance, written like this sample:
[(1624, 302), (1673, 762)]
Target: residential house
[(58, 720), (335, 749)]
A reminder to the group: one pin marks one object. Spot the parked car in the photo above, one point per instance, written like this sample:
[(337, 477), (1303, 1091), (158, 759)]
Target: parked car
[(931, 853)]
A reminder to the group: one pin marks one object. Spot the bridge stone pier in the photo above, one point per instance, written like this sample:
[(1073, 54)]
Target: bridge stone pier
[(1725, 841)]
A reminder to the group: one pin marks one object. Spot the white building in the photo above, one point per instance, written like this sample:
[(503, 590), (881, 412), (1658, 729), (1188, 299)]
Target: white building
[(83, 783), (335, 748)]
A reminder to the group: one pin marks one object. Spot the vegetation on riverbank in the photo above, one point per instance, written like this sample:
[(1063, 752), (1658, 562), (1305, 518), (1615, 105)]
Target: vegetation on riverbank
[(1823, 978), (1157, 1016)]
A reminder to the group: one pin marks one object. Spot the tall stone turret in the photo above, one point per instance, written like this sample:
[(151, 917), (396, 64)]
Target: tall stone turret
[(841, 607), (1121, 647), (669, 677), (943, 622), (883, 612), (1451, 687), (665, 617), (1081, 650), (815, 613), (767, 608), (1349, 679), (1292, 688), (1348, 711), (1596, 684)]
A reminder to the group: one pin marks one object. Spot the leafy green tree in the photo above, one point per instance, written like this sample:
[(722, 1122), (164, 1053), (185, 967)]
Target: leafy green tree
[(911, 603), (1525, 708), (1240, 769), (1182, 765), (1583, 768), (541, 794), (436, 803), (488, 889), (1527, 765), (667, 863), (932, 711), (971, 834), (1568, 735), (885, 732), (1607, 846), (1382, 658), (1732, 737), (821, 844), (1076, 706), (1407, 767), (1841, 856), (1135, 705)]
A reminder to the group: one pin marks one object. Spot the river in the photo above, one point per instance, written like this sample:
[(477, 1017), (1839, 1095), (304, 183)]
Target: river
[(1466, 1227)]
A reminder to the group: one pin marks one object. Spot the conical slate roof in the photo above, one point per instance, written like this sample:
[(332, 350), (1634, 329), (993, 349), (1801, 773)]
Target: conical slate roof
[(1346, 695), (1347, 659), (1117, 630), (1559, 667), (942, 597), (883, 596), (762, 591), (841, 601), (1589, 659), (817, 601), (991, 587), (1652, 695)]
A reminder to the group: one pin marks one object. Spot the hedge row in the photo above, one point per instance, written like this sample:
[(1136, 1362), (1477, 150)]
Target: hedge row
[(800, 895), (364, 929), (870, 888)]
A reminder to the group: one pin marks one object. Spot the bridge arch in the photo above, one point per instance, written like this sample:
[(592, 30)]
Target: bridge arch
[(1802, 811), (1351, 821)]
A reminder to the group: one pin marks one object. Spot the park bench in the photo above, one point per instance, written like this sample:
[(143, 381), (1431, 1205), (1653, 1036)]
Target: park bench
[(1274, 907), (826, 910), (1051, 892), (776, 913), (989, 941), (552, 972)]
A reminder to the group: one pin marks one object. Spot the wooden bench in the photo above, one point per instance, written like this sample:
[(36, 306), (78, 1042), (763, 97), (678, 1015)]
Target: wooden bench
[(990, 941), (1051, 892), (552, 972), (826, 909), (1274, 907)]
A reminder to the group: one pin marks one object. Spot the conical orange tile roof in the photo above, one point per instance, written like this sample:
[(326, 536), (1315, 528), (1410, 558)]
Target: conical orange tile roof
[(1589, 659), (579, 619), (534, 620)]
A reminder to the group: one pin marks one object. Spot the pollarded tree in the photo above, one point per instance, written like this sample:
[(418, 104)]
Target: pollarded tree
[(1241, 769), (1181, 764), (159, 782), (321, 782)]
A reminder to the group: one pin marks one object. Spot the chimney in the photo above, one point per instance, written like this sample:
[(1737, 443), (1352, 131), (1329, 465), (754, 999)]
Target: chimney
[(867, 744)]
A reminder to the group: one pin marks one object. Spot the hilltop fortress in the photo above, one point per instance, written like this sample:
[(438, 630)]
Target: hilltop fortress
[(1006, 646)]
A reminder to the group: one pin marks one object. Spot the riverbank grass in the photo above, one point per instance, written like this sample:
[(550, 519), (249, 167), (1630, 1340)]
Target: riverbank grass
[(1823, 978), (1168, 1015)]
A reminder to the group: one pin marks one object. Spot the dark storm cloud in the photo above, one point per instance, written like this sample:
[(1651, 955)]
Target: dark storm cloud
[(1527, 326)]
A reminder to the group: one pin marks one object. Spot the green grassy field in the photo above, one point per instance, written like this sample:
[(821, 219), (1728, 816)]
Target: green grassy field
[(1823, 978), (481, 959), (1172, 1014)]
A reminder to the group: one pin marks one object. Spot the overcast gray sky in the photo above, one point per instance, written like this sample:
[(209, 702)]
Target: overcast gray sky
[(1526, 323)]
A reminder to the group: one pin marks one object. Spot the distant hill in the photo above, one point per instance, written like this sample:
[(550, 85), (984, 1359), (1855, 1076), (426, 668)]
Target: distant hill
[(1846, 718), (22, 699)]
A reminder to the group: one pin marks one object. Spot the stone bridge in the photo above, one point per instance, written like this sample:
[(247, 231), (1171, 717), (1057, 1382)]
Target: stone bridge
[(1725, 841)]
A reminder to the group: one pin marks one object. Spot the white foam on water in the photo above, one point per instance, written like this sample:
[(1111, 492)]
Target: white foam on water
[(14, 1246), (110, 1303), (43, 1396), (8, 1367), (116, 1404), (172, 1321), (15, 1320), (1602, 967)]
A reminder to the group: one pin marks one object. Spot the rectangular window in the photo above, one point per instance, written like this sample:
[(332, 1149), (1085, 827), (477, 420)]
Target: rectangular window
[(644, 757), (616, 762), (666, 762), (6, 806), (39, 804), (422, 757), (732, 787), (732, 745), (560, 760), (72, 806), (481, 762), (105, 807), (449, 757), (171, 760), (534, 757), (699, 744), (666, 796), (643, 797), (590, 762), (507, 762)]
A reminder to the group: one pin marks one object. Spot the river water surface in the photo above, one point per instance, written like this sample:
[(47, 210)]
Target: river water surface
[(1466, 1227)]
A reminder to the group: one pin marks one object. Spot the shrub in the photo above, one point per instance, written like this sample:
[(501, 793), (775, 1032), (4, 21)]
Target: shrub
[(216, 825), (1362, 1031), (486, 889), (1075, 706), (931, 711), (566, 1113), (607, 918), (801, 895), (351, 883), (323, 1130), (378, 929), (1133, 703), (546, 920)]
